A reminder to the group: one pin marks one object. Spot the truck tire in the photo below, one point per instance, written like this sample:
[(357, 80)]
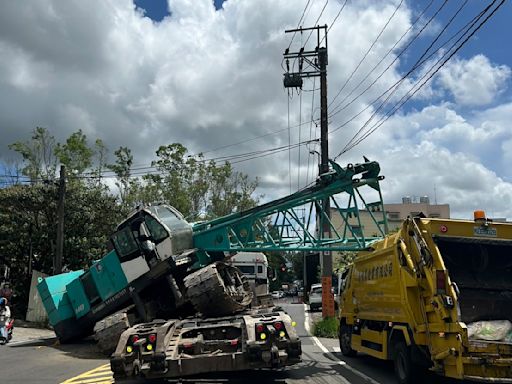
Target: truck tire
[(218, 290), (403, 363), (345, 337)]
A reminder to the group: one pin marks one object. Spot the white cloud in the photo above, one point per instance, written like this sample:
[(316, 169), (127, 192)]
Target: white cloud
[(466, 160), (209, 78), (475, 81)]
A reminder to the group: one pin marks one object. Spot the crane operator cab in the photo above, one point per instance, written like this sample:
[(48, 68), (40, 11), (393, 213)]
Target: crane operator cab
[(150, 235)]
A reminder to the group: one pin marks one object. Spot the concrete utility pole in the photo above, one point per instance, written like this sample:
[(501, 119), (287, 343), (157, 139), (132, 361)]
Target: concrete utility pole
[(317, 59), (57, 265)]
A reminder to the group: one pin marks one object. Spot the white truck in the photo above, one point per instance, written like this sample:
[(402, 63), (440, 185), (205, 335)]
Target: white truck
[(254, 266)]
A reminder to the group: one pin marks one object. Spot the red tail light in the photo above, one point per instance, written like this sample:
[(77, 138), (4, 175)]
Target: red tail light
[(152, 338), (234, 342), (260, 328), (278, 325), (135, 338), (441, 282)]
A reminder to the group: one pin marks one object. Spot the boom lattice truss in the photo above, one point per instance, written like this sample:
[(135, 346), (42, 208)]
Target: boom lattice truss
[(292, 222)]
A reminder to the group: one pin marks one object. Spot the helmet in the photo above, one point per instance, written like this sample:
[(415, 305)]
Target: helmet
[(3, 301)]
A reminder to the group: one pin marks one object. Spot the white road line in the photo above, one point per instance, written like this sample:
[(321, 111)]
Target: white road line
[(330, 355), (306, 319), (28, 341), (336, 349)]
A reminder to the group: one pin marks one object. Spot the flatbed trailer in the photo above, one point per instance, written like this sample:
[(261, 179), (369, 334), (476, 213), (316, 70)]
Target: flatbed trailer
[(172, 349)]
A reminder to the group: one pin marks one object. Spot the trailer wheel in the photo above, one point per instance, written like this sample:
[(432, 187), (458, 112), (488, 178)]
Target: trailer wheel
[(403, 363), (345, 337)]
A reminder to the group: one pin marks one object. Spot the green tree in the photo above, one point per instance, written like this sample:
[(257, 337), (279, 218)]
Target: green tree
[(100, 153), (197, 188), (230, 191), (38, 154), (343, 259), (28, 212), (122, 169), (75, 154)]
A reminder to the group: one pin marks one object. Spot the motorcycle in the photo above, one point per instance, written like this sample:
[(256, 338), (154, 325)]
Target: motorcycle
[(9, 327)]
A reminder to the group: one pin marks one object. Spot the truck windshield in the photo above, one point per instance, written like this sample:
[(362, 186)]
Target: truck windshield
[(124, 242), (317, 290), (246, 269)]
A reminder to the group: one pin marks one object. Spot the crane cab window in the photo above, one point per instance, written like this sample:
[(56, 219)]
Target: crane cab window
[(157, 230), (124, 242)]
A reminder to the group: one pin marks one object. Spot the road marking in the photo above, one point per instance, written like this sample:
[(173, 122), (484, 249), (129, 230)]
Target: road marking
[(99, 375), (329, 354), (336, 349), (28, 341)]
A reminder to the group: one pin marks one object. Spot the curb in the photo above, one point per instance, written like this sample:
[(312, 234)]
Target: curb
[(335, 359)]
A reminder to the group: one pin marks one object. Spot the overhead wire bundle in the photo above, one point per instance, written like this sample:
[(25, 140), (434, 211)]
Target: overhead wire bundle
[(466, 32)]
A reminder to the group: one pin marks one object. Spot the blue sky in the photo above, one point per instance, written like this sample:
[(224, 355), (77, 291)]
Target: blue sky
[(156, 10), (213, 82), (487, 39)]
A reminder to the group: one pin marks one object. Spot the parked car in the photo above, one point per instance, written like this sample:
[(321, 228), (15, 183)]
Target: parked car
[(277, 294), (315, 297)]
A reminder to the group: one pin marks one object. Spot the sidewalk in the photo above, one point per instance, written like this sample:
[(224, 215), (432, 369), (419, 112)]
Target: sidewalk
[(24, 331)]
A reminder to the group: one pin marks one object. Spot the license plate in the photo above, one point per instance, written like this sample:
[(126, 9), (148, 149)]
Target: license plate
[(485, 231)]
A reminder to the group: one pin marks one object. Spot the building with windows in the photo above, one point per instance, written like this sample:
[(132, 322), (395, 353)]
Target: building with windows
[(395, 214)]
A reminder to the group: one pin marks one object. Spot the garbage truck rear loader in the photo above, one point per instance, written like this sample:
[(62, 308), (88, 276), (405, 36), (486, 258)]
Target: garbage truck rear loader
[(437, 294)]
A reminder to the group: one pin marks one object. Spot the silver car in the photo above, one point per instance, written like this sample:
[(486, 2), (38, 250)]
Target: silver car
[(315, 297)]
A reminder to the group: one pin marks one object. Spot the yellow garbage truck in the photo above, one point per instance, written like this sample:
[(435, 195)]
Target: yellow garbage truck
[(437, 295)]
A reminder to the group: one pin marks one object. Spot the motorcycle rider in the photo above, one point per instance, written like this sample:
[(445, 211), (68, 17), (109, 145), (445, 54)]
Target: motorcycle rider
[(5, 318), (6, 291)]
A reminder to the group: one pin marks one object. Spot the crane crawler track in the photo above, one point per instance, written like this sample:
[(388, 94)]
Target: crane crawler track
[(218, 289)]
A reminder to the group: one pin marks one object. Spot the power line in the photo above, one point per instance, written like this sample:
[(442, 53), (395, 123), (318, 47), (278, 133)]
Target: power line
[(316, 22), (300, 131), (279, 131), (368, 51), (289, 147), (310, 127), (417, 65), (248, 140), (298, 24), (336, 18), (432, 72), (336, 110)]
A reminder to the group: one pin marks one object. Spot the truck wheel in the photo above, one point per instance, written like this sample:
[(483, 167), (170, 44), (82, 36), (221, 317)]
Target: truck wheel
[(345, 336), (403, 363)]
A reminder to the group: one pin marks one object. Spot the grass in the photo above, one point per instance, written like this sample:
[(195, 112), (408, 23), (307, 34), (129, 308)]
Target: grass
[(327, 327)]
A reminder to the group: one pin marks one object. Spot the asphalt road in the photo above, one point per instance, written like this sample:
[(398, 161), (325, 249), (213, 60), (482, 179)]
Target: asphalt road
[(45, 361)]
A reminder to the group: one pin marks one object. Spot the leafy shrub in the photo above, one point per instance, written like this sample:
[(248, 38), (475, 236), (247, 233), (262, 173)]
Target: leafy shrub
[(327, 327)]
